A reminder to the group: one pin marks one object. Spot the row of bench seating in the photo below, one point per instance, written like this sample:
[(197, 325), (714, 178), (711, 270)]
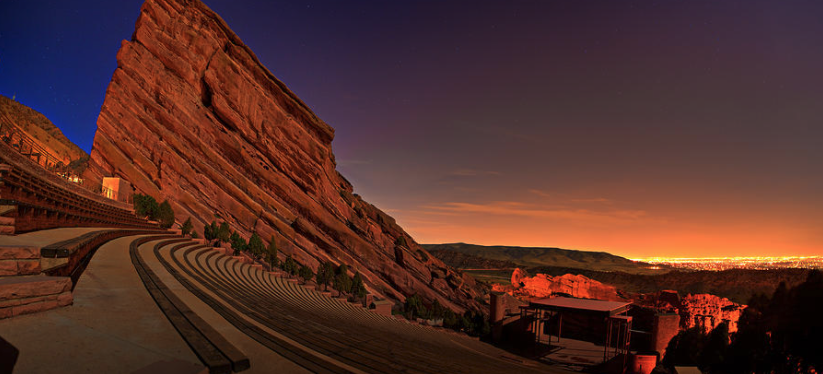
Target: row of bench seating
[(26, 188), (37, 199), (334, 328)]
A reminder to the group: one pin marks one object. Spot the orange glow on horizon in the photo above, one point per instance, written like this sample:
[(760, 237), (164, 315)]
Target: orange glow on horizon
[(597, 225)]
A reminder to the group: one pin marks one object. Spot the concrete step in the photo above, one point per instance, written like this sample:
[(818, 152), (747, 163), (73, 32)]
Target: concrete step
[(19, 260), (31, 294)]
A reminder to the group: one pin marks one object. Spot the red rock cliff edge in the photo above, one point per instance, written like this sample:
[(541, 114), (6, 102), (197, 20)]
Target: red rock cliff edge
[(192, 116)]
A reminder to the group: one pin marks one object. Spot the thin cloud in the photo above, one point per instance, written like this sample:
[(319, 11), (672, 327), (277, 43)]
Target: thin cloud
[(473, 173), (560, 198), (593, 200), (542, 193), (518, 209)]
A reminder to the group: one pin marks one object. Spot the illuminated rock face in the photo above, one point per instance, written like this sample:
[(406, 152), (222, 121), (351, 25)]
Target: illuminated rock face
[(44, 133), (192, 116), (542, 285), (707, 311)]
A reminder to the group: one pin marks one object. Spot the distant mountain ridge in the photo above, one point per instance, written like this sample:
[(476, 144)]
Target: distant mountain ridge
[(528, 257)]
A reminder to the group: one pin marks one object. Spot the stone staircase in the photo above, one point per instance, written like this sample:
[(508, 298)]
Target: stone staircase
[(23, 289), (34, 293), (34, 278)]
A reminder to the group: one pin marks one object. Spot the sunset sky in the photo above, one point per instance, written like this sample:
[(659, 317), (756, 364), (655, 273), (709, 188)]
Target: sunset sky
[(666, 128)]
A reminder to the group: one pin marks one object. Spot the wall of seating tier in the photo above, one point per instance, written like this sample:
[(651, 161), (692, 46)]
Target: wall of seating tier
[(44, 200)]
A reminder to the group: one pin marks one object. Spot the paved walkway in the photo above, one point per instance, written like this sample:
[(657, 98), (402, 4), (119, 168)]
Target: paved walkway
[(263, 360), (45, 237), (114, 325)]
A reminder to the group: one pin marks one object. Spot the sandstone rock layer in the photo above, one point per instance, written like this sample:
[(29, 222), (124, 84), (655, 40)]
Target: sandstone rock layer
[(707, 311), (543, 285), (42, 131), (192, 116)]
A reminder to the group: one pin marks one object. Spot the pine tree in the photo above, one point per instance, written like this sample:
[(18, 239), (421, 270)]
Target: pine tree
[(342, 282), (165, 215), (357, 286), (272, 252), (146, 206), (237, 243), (256, 246), (187, 227), (325, 274), (306, 273), (290, 266), (224, 232), (210, 231)]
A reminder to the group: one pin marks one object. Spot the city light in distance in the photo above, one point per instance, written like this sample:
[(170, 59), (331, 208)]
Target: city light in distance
[(726, 263)]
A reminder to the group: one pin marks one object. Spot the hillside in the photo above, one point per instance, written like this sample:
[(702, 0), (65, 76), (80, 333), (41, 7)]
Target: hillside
[(39, 128), (478, 256), (192, 116)]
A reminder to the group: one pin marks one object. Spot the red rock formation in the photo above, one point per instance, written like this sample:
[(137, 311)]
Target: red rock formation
[(40, 130), (542, 285), (707, 311), (192, 116)]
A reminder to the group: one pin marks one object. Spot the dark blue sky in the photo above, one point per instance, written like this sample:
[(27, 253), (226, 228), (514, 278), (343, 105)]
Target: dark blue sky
[(638, 127)]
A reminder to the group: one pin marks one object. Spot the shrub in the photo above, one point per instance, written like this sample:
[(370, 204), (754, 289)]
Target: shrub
[(290, 266), (210, 231), (146, 206), (237, 243), (256, 246), (224, 232), (413, 307), (271, 255), (342, 281), (325, 274), (165, 215), (306, 273), (194, 234), (452, 320), (357, 286), (187, 226)]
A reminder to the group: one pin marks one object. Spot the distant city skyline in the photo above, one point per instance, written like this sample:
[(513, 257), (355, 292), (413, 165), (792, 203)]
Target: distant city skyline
[(643, 129)]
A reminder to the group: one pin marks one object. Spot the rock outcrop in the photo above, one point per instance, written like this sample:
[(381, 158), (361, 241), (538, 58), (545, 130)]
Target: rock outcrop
[(40, 130), (192, 116), (707, 311), (542, 285)]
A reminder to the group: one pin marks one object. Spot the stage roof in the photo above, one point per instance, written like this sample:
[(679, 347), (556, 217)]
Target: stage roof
[(581, 305)]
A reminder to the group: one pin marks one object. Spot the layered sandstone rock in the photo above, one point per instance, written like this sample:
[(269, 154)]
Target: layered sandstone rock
[(542, 285), (707, 311), (40, 130), (192, 116)]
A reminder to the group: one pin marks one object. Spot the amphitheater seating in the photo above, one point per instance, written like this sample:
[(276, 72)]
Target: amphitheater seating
[(302, 324), (36, 199)]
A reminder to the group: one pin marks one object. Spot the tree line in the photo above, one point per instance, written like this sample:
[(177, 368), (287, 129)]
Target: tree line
[(326, 275), (472, 323), (146, 206), (778, 334)]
